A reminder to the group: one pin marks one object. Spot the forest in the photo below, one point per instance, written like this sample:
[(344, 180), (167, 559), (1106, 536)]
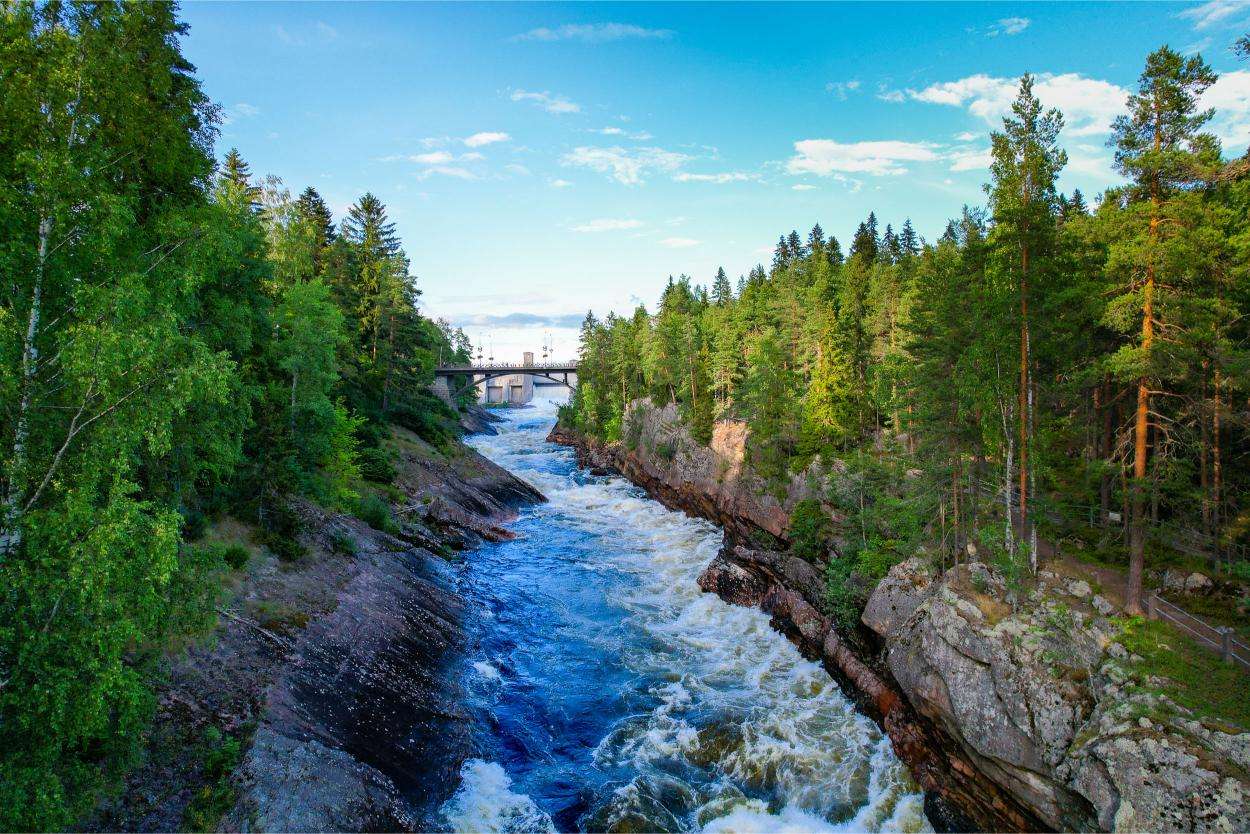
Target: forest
[(1049, 370), (178, 340)]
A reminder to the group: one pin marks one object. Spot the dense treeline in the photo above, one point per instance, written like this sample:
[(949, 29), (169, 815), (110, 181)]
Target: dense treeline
[(176, 341), (1044, 369)]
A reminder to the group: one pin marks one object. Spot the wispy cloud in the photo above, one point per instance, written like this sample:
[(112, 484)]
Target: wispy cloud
[(319, 32), (607, 224), (551, 103), (1214, 13), (842, 89), (802, 186), (241, 110), (679, 242), (638, 135), (1008, 26), (559, 183), (593, 33), (477, 140), (719, 179), (824, 157), (1230, 96), (629, 166)]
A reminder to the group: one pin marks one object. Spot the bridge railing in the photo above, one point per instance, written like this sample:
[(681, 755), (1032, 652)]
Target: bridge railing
[(509, 366)]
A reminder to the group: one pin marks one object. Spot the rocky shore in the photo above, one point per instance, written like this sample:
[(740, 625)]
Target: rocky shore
[(1025, 717), (320, 701)]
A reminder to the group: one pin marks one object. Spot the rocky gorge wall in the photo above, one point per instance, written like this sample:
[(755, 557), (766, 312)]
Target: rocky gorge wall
[(328, 671), (1009, 719)]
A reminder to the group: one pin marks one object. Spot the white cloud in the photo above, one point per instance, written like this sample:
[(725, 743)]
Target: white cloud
[(1214, 12), (607, 224), (719, 179), (842, 89), (966, 136), (593, 33), (1008, 26), (608, 131), (477, 140), (432, 158), (825, 156), (892, 96), (1230, 96), (972, 160), (519, 170), (557, 183), (551, 103), (802, 187), (629, 166), (1088, 104), (472, 156), (679, 242), (453, 171)]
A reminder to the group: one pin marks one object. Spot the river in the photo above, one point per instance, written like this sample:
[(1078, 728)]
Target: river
[(609, 692)]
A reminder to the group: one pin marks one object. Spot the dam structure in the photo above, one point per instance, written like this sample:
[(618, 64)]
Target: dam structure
[(504, 383)]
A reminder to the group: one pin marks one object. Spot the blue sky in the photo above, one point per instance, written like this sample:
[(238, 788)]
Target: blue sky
[(540, 160)]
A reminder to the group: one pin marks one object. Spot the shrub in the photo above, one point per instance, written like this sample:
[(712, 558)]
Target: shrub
[(375, 465), (343, 544), (235, 555), (375, 512), (219, 755), (810, 531), (280, 531)]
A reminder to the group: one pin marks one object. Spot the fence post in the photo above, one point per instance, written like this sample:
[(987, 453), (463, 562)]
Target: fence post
[(1226, 644), (1150, 608)]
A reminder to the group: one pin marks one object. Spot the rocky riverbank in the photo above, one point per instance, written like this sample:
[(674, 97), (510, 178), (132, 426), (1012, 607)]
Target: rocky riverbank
[(1024, 717), (320, 700)]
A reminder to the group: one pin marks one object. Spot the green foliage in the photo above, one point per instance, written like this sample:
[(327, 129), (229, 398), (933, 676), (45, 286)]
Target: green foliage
[(811, 531), (374, 511), (219, 755), (375, 465)]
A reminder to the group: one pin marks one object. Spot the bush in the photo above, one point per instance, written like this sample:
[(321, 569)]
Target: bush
[(343, 544), (280, 531), (235, 555), (811, 531), (219, 755), (375, 512), (375, 465)]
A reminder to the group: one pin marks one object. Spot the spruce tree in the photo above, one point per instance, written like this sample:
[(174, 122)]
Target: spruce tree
[(722, 293)]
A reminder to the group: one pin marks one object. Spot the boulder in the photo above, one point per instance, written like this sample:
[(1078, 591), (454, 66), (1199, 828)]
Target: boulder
[(896, 597)]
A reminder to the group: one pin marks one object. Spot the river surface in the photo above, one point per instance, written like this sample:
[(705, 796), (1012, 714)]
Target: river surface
[(609, 693)]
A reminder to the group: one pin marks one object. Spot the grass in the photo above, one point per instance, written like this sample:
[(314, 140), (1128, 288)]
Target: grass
[(1197, 678)]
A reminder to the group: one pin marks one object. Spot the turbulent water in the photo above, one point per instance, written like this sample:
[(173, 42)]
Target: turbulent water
[(610, 693)]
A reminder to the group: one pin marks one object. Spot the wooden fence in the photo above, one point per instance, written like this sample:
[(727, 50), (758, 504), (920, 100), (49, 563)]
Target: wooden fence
[(1222, 640)]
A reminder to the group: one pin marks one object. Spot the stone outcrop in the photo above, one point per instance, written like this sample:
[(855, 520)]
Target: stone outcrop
[(1040, 700)]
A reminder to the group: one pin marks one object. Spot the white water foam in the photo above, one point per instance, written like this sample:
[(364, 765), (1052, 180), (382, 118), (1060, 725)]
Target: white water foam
[(733, 699), (485, 802)]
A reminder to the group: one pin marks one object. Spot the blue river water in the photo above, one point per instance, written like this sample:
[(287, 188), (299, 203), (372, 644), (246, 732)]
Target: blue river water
[(610, 694)]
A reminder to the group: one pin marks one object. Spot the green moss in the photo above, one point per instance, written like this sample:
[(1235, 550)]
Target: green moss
[(1197, 678)]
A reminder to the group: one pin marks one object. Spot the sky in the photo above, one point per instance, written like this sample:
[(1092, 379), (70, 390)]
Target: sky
[(540, 160)]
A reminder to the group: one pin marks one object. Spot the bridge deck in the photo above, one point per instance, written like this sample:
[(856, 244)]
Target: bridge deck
[(509, 367)]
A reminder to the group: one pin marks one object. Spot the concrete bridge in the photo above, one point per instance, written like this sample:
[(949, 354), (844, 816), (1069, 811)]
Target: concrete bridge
[(515, 380)]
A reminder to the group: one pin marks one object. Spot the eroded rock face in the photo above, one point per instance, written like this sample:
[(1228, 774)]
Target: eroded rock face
[(1038, 700), (713, 481)]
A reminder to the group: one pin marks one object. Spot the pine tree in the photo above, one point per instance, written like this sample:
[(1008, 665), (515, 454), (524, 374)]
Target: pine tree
[(1159, 146), (235, 170), (314, 209)]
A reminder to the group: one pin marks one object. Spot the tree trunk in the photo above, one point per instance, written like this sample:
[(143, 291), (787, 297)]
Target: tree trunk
[(1217, 474), (11, 534), (1025, 401), (1141, 432)]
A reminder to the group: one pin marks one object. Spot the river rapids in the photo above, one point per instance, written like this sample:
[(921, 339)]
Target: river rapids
[(609, 693)]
